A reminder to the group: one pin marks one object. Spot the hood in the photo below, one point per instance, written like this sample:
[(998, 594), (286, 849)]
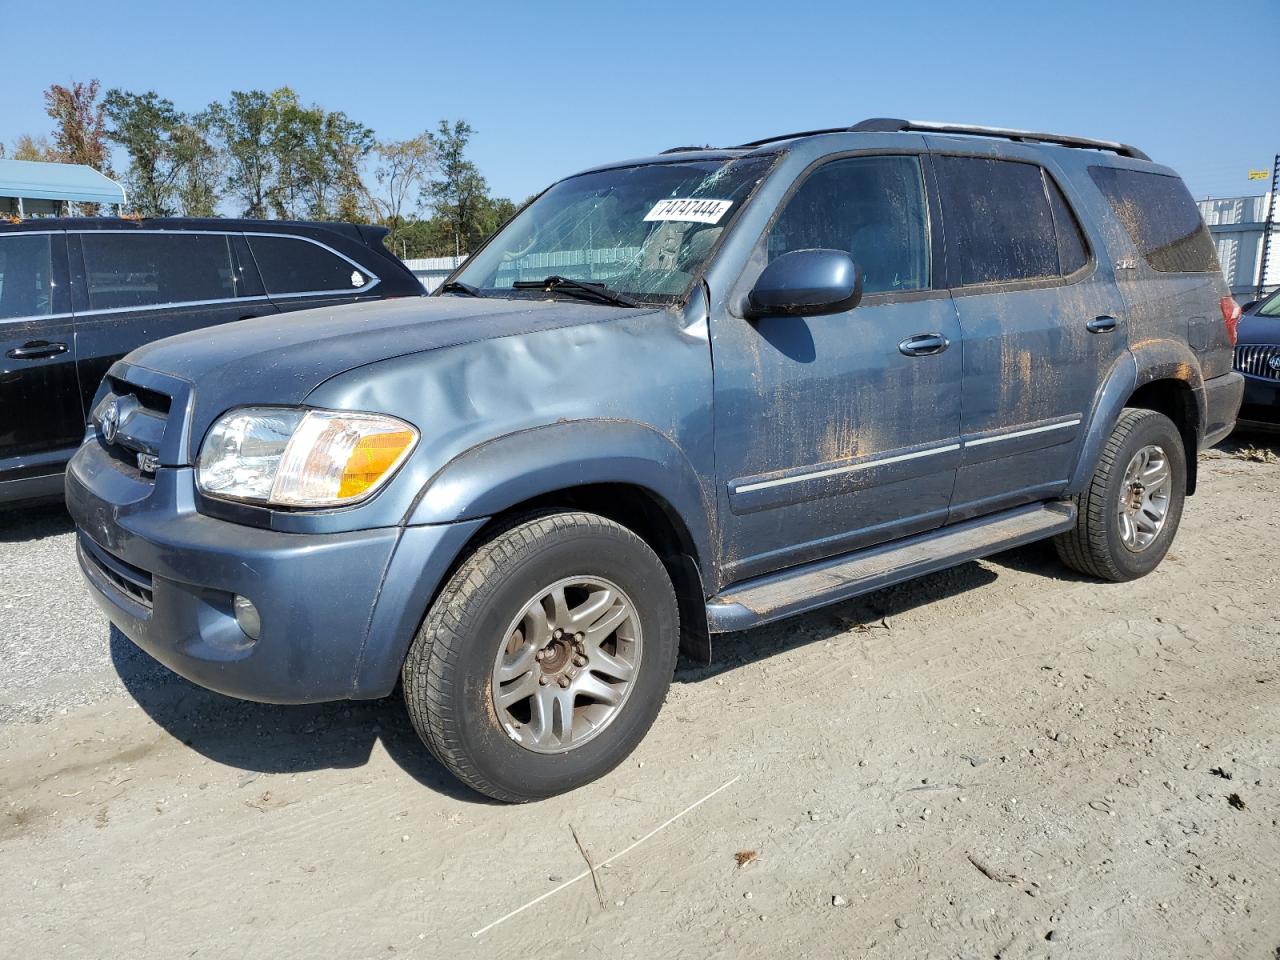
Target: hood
[(280, 359), (1256, 329)]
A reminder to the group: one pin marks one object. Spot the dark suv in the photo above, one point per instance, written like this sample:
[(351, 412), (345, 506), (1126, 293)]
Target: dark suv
[(674, 396), (76, 295)]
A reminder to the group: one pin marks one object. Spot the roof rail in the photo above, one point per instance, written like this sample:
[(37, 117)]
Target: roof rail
[(887, 125), (890, 125)]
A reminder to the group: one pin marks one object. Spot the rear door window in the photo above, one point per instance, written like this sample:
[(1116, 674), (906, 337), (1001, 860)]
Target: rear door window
[(999, 223), (290, 265), (129, 270), (26, 288), (872, 207), (1160, 217)]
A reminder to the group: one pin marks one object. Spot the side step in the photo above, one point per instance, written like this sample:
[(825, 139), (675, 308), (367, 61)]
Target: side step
[(778, 595)]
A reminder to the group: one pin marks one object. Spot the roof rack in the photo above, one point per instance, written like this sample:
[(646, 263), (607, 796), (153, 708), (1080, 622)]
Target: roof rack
[(890, 125)]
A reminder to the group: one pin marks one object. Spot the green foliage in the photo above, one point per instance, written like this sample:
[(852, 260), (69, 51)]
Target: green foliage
[(267, 154)]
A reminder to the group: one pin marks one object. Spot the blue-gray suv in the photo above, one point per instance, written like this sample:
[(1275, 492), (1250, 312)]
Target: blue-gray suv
[(673, 397)]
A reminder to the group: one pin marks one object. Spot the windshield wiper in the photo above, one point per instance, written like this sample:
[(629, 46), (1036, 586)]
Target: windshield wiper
[(597, 291), (457, 286)]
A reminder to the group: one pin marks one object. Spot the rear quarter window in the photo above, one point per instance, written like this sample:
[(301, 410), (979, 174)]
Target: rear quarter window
[(290, 265), (1160, 217)]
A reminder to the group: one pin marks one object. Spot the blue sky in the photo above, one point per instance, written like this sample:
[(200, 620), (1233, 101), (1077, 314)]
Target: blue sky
[(551, 87)]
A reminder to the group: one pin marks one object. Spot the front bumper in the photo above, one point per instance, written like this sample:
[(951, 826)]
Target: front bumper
[(338, 610), (1261, 402)]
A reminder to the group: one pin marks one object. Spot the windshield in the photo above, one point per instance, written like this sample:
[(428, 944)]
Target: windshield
[(642, 231), (1271, 306)]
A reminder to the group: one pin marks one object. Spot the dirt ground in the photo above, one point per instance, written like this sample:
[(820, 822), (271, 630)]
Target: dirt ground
[(1004, 760)]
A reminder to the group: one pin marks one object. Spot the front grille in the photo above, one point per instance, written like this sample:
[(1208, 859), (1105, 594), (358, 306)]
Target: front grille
[(1259, 360), (129, 580), (130, 422)]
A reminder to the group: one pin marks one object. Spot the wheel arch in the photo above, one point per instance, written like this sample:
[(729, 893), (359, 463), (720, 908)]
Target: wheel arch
[(1160, 375)]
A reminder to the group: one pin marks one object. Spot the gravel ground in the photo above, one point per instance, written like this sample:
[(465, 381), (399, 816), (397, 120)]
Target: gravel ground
[(1002, 760)]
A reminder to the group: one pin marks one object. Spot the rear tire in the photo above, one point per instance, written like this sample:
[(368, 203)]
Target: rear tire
[(1129, 513), (572, 620)]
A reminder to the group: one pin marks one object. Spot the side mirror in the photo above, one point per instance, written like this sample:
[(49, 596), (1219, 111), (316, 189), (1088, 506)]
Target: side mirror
[(1249, 306), (806, 283)]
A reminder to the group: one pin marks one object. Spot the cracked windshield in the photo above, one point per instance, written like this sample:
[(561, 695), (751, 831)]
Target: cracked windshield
[(643, 231)]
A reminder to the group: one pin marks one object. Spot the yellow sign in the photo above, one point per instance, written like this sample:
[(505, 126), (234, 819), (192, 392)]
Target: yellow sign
[(1259, 174)]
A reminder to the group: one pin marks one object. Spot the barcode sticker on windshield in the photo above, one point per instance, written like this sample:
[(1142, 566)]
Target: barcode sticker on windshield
[(695, 211)]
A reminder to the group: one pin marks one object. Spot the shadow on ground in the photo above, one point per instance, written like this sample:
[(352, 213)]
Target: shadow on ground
[(34, 522), (273, 738)]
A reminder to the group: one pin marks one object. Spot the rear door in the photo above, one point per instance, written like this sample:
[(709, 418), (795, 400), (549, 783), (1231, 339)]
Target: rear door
[(137, 286), (302, 272), (41, 419), (1042, 322)]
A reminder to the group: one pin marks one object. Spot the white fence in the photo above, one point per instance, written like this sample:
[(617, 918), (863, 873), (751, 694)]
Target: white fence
[(432, 270)]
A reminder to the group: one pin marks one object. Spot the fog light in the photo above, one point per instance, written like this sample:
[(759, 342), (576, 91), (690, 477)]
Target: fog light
[(247, 617)]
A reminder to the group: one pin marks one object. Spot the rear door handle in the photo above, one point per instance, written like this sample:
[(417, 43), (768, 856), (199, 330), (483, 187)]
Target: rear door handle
[(1102, 324), (36, 350), (923, 345)]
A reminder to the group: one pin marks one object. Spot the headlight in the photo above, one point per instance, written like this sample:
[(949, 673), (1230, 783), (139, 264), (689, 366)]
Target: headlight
[(301, 458)]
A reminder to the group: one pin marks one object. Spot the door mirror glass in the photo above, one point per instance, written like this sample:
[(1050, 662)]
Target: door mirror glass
[(806, 283)]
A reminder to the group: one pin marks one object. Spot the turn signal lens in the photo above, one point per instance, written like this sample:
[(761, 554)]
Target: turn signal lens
[(371, 460)]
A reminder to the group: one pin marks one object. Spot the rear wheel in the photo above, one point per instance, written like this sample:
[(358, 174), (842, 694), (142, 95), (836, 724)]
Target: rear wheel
[(546, 658), (1129, 514)]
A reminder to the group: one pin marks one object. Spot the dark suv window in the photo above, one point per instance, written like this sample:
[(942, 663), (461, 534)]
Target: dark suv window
[(25, 288), (146, 269), (873, 207), (1000, 222), (290, 265), (1161, 219)]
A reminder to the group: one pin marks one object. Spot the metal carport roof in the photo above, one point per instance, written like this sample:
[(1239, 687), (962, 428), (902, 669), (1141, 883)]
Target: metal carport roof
[(34, 180)]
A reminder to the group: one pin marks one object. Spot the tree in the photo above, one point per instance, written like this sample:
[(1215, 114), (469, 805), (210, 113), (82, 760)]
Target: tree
[(80, 125), (247, 125), (201, 166), (401, 172), (458, 193), (27, 147), (289, 160), (145, 125)]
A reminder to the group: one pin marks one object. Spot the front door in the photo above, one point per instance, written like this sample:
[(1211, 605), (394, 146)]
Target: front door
[(1042, 322), (840, 431)]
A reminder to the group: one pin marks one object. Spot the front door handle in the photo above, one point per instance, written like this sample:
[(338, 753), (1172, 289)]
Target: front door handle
[(1102, 324), (923, 345), (36, 350)]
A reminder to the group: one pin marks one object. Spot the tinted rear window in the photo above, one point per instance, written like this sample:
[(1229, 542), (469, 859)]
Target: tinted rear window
[(1161, 219), (148, 269), (997, 218), (291, 266), (25, 288)]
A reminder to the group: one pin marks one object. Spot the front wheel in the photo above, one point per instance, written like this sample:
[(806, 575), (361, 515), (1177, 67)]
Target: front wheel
[(546, 657), (1128, 515)]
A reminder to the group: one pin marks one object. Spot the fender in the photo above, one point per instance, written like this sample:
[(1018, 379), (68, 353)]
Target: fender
[(501, 473), (1144, 362)]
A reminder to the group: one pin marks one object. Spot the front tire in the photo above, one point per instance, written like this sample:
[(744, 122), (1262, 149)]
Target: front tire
[(1128, 515), (546, 657)]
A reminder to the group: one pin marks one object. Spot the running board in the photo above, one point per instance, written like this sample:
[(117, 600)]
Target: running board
[(814, 585)]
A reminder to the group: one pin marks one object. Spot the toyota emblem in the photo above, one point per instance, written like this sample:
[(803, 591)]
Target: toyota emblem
[(111, 421)]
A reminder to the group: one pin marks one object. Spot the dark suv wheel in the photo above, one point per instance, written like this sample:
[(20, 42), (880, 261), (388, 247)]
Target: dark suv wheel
[(546, 657), (1129, 513)]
